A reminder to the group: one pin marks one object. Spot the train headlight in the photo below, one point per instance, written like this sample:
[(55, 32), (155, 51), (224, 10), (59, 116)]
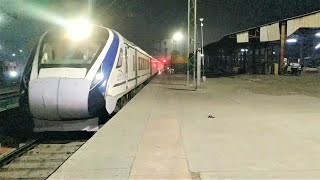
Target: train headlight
[(79, 29), (13, 74), (99, 76), (97, 79)]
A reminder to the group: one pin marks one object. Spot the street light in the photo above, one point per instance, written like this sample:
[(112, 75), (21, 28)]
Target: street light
[(202, 51), (178, 36)]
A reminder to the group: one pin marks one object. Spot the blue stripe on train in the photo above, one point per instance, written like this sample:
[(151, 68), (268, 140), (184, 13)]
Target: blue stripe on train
[(108, 62), (96, 96)]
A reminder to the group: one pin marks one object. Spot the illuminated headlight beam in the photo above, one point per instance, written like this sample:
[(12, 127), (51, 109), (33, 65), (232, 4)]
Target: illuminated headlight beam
[(35, 11), (79, 29)]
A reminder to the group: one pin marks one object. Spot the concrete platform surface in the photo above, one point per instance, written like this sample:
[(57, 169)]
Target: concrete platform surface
[(222, 131)]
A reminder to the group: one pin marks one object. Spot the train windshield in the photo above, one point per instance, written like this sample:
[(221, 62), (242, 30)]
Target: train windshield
[(59, 51)]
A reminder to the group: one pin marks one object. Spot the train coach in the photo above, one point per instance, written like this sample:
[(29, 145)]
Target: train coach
[(75, 72)]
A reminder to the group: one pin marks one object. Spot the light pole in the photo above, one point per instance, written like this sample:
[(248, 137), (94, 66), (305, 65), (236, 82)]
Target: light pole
[(192, 36), (202, 50)]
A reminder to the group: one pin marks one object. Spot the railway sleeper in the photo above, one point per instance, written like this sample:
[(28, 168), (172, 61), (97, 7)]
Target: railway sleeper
[(41, 157), (26, 174), (52, 151), (16, 166)]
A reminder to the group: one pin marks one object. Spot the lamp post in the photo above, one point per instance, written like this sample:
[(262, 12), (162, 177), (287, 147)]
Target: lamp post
[(202, 50)]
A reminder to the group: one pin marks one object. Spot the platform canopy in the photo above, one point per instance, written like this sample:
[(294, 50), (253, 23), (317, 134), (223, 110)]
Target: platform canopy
[(270, 33), (310, 21), (243, 37)]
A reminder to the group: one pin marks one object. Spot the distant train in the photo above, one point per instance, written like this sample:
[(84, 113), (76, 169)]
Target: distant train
[(8, 73), (73, 74)]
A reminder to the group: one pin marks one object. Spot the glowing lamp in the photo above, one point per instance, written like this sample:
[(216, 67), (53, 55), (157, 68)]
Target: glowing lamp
[(79, 29), (177, 36), (292, 40), (13, 73)]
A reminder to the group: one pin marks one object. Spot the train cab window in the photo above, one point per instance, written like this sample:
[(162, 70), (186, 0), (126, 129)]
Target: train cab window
[(56, 50), (120, 59), (63, 53)]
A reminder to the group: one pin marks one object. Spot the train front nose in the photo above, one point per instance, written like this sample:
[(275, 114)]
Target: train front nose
[(59, 98)]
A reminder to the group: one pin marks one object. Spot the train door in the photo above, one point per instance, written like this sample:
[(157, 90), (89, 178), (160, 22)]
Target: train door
[(126, 66)]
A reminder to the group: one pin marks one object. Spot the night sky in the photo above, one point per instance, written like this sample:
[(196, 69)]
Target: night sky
[(145, 21), (158, 19)]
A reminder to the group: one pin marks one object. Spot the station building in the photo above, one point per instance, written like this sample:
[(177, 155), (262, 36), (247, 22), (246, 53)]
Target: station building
[(267, 49)]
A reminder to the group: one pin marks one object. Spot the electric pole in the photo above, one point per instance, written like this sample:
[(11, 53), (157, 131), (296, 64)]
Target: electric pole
[(192, 38)]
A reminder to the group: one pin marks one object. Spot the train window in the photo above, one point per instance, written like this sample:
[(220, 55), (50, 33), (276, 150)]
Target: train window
[(140, 63), (58, 51), (62, 53), (134, 63), (143, 64), (120, 59)]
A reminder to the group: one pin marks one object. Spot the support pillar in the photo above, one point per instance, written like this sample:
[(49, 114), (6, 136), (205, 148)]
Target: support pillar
[(198, 65), (282, 47)]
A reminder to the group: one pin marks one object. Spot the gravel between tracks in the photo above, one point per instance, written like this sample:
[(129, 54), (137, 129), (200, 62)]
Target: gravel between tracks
[(41, 161)]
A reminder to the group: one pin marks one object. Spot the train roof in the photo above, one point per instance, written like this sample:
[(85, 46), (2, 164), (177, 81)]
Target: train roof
[(131, 44)]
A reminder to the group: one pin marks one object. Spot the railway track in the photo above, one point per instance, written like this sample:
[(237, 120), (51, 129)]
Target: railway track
[(9, 95), (9, 100), (37, 159)]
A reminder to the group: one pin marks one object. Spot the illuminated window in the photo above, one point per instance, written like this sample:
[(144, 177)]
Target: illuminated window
[(119, 64)]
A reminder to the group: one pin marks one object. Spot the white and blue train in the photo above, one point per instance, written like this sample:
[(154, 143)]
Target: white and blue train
[(70, 77)]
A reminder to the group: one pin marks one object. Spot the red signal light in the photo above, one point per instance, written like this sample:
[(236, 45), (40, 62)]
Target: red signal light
[(163, 60)]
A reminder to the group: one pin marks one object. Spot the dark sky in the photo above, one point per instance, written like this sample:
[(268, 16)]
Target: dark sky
[(143, 21), (157, 19)]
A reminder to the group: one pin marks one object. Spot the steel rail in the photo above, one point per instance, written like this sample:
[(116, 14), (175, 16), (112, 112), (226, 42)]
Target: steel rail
[(17, 153)]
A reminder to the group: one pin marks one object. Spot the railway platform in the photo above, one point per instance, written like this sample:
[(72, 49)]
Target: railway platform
[(169, 131)]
